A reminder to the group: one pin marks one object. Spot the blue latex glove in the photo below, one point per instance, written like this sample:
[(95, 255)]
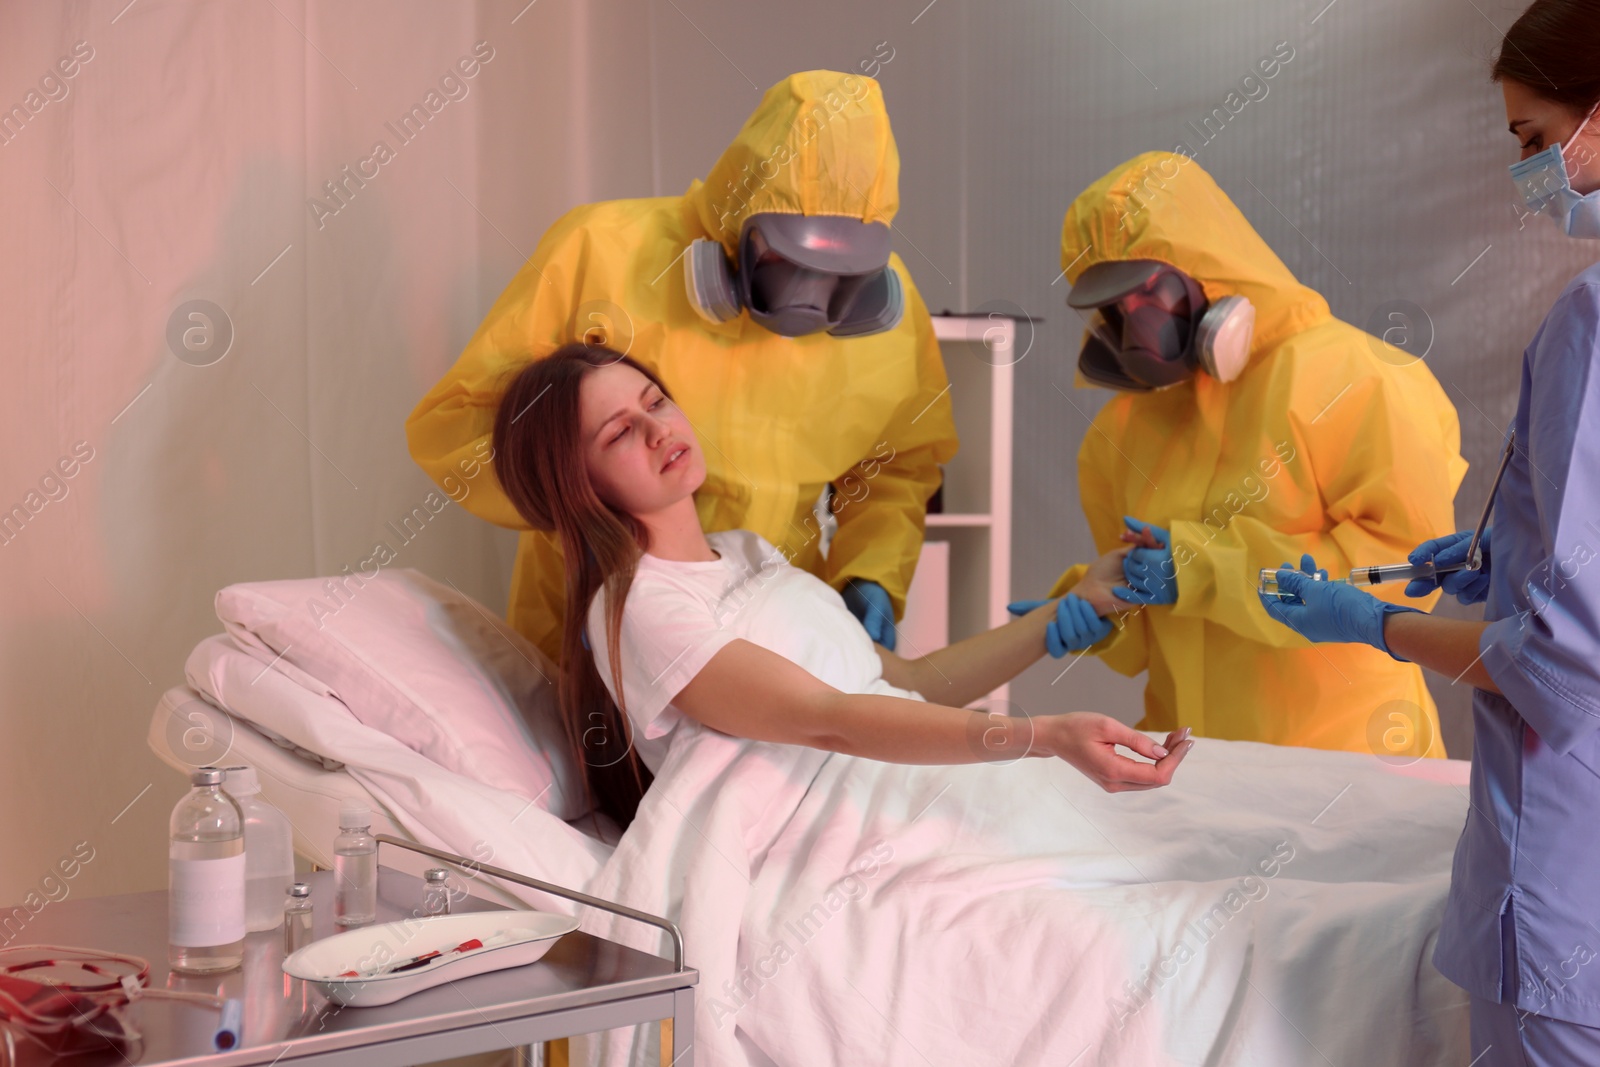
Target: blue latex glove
[(1328, 611), (1469, 587), (869, 602), (1075, 628), (1151, 574)]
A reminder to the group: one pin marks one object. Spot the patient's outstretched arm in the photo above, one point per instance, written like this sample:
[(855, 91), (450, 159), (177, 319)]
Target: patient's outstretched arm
[(748, 691)]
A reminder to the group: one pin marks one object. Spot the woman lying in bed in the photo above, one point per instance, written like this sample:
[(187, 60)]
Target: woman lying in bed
[(722, 629)]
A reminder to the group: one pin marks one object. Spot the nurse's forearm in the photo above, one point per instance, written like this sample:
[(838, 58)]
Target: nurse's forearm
[(1449, 646)]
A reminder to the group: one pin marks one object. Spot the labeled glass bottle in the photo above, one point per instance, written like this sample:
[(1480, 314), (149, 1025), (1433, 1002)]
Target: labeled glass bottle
[(297, 918), (355, 867), (436, 891), (205, 879), (268, 851)]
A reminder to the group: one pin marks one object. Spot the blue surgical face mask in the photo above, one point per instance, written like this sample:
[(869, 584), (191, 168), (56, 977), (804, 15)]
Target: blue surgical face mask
[(1543, 180)]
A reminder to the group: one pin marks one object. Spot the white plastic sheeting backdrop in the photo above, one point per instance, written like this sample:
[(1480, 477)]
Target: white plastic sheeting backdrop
[(182, 160)]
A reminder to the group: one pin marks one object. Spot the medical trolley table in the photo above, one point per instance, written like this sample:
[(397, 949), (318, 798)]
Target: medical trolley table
[(583, 984)]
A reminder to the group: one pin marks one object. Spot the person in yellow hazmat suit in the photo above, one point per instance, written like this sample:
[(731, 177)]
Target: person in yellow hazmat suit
[(767, 299), (1251, 426)]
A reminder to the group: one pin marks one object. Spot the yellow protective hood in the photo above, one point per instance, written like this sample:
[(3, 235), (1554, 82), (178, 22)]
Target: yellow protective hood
[(1164, 206), (818, 144)]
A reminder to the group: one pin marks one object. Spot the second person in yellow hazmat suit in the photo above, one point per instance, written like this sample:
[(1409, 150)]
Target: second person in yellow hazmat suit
[(1305, 435), (761, 298)]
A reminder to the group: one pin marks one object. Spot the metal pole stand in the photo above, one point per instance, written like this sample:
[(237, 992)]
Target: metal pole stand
[(546, 887)]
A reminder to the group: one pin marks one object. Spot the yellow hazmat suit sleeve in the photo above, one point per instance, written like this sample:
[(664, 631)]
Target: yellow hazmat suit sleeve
[(533, 316), (881, 503), (1329, 442), (1373, 453), (779, 418)]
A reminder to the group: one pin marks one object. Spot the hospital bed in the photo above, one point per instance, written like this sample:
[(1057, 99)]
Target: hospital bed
[(308, 789), (846, 911)]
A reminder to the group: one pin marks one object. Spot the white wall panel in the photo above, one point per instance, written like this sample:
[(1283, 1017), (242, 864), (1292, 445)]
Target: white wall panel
[(178, 162)]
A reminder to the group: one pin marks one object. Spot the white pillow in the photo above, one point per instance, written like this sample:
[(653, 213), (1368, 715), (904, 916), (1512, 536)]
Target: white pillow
[(426, 665)]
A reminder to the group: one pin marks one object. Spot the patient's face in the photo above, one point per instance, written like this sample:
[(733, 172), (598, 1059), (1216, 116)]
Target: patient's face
[(641, 452)]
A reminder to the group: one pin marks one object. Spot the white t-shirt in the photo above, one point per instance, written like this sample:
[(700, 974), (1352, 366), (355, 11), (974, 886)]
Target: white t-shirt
[(678, 615)]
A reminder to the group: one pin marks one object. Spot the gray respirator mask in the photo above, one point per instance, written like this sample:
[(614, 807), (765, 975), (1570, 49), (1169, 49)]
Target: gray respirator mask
[(1150, 327), (799, 275)]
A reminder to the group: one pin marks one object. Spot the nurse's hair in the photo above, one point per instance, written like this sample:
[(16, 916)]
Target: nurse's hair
[(538, 459), (1554, 49)]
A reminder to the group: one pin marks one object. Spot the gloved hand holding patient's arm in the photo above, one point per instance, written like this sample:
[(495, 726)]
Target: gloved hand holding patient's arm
[(1080, 623), (1467, 586), (1328, 611), (1149, 570), (1076, 627), (869, 602)]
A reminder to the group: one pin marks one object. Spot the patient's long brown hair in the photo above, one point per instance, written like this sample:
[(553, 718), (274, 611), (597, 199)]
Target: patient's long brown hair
[(538, 457)]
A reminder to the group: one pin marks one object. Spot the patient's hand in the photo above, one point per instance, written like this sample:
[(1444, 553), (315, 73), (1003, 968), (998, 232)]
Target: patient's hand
[(1089, 742), (1104, 575)]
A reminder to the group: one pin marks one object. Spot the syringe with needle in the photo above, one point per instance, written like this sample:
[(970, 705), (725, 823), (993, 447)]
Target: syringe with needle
[(1408, 572), (1383, 572)]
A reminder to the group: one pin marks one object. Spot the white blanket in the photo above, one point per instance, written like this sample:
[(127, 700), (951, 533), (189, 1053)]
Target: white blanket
[(1274, 906)]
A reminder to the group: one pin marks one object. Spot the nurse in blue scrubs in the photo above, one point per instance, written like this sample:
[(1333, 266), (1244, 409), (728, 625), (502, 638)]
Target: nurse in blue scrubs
[(1521, 930)]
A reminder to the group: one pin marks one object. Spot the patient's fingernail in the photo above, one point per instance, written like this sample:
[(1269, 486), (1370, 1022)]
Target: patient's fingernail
[(1161, 753), (1183, 734)]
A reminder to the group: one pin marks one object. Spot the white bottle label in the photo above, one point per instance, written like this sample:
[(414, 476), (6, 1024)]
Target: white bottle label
[(205, 901)]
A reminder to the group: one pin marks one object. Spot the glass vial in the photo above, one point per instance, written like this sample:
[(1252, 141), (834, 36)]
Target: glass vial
[(436, 891), (1267, 583), (205, 879), (355, 867), (297, 916)]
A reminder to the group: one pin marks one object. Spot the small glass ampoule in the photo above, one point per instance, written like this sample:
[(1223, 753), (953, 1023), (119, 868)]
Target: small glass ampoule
[(436, 891), (297, 918)]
